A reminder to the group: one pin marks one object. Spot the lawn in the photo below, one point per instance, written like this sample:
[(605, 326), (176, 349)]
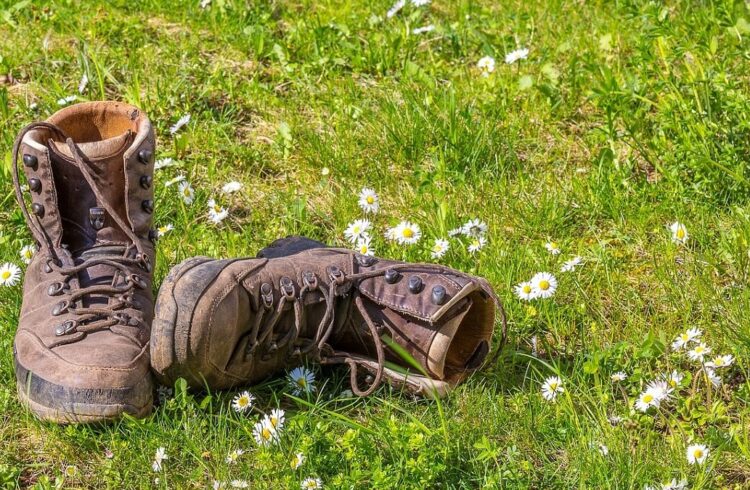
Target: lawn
[(622, 119)]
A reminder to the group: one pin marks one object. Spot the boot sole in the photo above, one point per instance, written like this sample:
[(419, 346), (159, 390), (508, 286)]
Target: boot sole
[(51, 402), (169, 338)]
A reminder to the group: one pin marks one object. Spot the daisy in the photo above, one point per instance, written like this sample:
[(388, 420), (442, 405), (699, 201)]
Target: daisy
[(699, 352), (179, 124), (477, 244), (396, 8), (660, 389), (552, 248), (697, 453), (243, 402), (176, 180), (439, 248), (486, 65), (159, 457), (679, 233), (231, 187), (325, 171), (646, 400), (163, 230), (83, 83), (297, 461), (544, 284), (264, 433), (301, 380), (218, 485), (163, 163), (525, 291), (357, 230), (66, 100), (518, 54), (714, 378), (368, 200), (27, 253), (275, 419), (571, 264), (618, 376), (424, 29), (205, 4), (407, 233), (720, 361), (363, 246), (551, 387), (239, 484), (603, 450), (685, 338), (216, 213), (674, 379), (311, 484), (675, 485), (420, 3), (456, 231), (614, 419), (9, 274), (186, 192), (71, 471), (233, 456), (474, 228)]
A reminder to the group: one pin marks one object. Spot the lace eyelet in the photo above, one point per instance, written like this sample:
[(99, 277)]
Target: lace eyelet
[(266, 294), (287, 287), (137, 280), (310, 280), (61, 307), (145, 262), (65, 327), (55, 289)]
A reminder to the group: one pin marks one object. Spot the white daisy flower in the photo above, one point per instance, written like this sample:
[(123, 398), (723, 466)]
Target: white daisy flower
[(66, 100), (357, 230), (518, 54), (571, 264), (264, 433), (407, 233), (311, 484), (486, 65), (552, 247), (239, 484), (674, 379), (27, 253), (660, 389), (163, 230), (179, 124), (603, 450), (159, 457), (70, 471), (218, 485), (618, 376), (675, 485), (552, 387), (164, 163), (474, 228), (721, 361), (714, 378), (275, 419), (186, 192), (685, 338), (205, 4), (369, 200), (216, 213), (439, 248), (9, 274), (83, 83), (646, 400), (297, 461), (697, 453), (699, 352), (176, 180), (456, 231), (396, 8), (423, 29), (243, 402), (525, 291), (420, 3), (233, 456), (364, 247), (325, 171), (544, 284), (301, 380), (614, 420), (679, 233), (477, 244), (231, 187)]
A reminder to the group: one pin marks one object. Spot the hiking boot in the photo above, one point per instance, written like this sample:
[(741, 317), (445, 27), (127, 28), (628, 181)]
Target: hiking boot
[(81, 350), (224, 323)]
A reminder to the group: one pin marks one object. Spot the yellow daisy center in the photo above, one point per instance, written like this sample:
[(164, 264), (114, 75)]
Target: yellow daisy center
[(6, 275), (698, 453), (266, 434), (370, 199), (363, 249), (698, 349), (295, 462), (553, 386), (672, 382), (680, 233), (685, 337), (544, 285), (301, 382), (553, 245), (217, 208), (186, 192), (526, 289), (719, 361), (243, 401), (274, 421), (408, 232), (648, 398)]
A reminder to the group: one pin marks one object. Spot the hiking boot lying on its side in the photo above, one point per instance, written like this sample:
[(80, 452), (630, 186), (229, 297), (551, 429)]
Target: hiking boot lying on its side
[(226, 323)]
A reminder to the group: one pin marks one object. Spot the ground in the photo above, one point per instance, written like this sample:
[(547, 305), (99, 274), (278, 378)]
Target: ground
[(624, 118)]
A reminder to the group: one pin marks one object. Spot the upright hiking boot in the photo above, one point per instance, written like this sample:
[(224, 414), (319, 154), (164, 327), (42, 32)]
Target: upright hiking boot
[(81, 350), (223, 323)]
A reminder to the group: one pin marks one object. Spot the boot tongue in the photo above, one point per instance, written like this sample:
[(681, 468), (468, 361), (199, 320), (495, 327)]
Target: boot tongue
[(78, 203), (100, 274)]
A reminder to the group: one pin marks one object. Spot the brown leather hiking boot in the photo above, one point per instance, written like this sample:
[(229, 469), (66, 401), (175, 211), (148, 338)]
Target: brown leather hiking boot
[(81, 350), (223, 323)]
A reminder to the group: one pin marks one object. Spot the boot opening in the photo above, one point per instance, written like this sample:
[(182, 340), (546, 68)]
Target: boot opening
[(97, 121), (462, 343)]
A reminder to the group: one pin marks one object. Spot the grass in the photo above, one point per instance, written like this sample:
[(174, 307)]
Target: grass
[(626, 117)]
